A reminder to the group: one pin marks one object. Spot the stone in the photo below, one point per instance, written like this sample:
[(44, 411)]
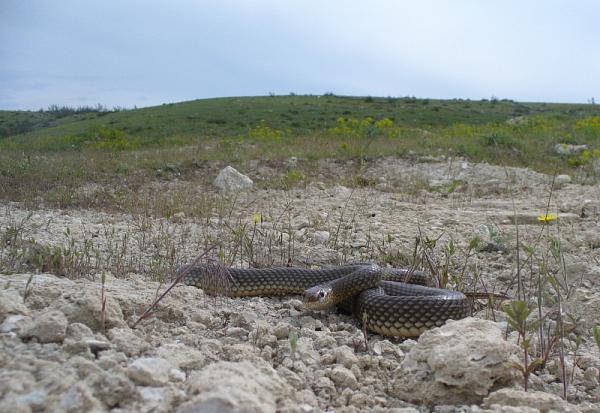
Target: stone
[(543, 402), (149, 371), (14, 323), (230, 180), (235, 387), (321, 237), (561, 180), (79, 398), (345, 355), (569, 149), (282, 330), (11, 303), (85, 307), (182, 356), (126, 341), (343, 378), (458, 363), (47, 327)]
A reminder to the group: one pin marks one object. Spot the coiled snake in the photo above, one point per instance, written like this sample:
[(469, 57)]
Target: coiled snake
[(387, 301)]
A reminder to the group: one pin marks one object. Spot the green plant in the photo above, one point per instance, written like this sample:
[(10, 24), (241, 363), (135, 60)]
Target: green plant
[(517, 313), (293, 340)]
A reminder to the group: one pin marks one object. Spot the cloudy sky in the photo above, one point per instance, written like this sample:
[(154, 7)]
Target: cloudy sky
[(143, 52)]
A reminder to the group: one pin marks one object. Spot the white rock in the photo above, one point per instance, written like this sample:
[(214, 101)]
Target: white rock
[(343, 377), (14, 323), (48, 327), (11, 303), (150, 371), (562, 180), (321, 237), (544, 402), (345, 355), (182, 356), (568, 149), (230, 180), (126, 341), (460, 362), (235, 387)]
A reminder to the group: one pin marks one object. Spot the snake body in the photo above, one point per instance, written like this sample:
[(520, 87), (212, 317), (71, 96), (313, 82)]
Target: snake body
[(391, 302)]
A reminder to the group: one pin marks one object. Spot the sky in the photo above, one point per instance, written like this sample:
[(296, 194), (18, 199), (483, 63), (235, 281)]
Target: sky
[(134, 53)]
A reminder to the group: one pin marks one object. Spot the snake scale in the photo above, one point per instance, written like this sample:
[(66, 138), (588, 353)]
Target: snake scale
[(391, 302)]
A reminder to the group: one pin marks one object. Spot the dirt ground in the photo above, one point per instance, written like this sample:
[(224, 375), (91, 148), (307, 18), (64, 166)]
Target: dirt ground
[(60, 352)]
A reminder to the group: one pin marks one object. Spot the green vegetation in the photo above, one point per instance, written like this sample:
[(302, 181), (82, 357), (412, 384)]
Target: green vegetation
[(52, 153)]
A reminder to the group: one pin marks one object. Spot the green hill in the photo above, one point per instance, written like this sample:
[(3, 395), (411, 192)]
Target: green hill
[(186, 122)]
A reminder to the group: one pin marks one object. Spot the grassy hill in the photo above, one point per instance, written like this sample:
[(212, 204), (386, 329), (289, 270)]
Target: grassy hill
[(187, 122), (48, 156)]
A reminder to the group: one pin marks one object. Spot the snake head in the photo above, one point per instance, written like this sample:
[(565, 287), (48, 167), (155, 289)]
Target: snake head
[(318, 297)]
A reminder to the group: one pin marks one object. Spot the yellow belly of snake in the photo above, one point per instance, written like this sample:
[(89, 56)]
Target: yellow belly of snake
[(387, 301)]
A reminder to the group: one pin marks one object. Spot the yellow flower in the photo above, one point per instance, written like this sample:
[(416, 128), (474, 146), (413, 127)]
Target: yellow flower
[(256, 218), (546, 218)]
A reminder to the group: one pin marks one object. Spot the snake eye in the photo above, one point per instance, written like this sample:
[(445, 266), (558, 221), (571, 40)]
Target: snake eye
[(321, 294)]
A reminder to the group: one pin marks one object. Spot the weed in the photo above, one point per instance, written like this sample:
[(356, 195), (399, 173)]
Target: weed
[(518, 312)]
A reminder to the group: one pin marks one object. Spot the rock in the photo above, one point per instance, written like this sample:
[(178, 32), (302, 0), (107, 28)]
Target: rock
[(584, 306), (178, 217), (543, 402), (282, 330), (126, 341), (234, 387), (321, 237), (150, 371), (15, 323), (590, 208), (345, 355), (590, 378), (79, 398), (460, 362), (340, 191), (568, 149), (561, 180), (305, 351), (182, 356), (202, 316), (230, 180), (85, 307), (48, 327), (343, 378), (11, 303)]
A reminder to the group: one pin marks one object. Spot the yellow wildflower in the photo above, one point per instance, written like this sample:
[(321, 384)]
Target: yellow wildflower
[(547, 218)]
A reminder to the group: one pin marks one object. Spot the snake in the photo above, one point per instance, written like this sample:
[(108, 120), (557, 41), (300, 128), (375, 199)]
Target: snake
[(392, 302)]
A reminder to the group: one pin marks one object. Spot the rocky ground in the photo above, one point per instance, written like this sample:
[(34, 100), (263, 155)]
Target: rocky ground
[(60, 352)]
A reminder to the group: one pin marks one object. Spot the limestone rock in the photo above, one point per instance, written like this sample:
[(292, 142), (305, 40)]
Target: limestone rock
[(85, 307), (11, 303), (182, 356), (343, 377), (458, 363), (126, 341), (568, 149), (235, 387), (47, 327), (345, 355), (230, 180), (150, 371), (561, 180), (543, 402), (321, 237)]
